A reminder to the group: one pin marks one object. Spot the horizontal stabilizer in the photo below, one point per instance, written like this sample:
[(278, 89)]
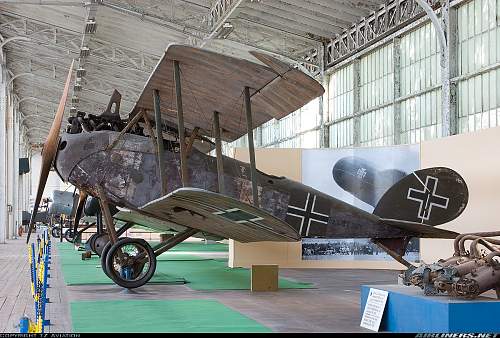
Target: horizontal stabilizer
[(419, 229)]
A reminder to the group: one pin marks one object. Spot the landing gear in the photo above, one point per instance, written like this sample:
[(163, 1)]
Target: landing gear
[(100, 242), (56, 232), (104, 254), (130, 262), (89, 244), (69, 235)]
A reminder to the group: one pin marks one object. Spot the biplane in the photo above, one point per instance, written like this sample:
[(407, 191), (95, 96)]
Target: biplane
[(61, 212), (153, 168)]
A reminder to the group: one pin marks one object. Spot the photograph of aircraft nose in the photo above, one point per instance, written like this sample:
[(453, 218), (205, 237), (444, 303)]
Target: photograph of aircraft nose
[(362, 179), (149, 167)]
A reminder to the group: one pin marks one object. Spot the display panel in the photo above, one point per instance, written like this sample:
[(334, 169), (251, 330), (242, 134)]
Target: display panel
[(360, 177)]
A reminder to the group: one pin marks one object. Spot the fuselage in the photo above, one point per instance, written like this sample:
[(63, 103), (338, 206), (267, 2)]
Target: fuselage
[(129, 175)]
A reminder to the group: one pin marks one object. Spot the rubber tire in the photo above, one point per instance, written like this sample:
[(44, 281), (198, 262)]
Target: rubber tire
[(125, 283), (90, 242), (77, 240), (56, 232), (98, 249), (103, 255), (69, 235)]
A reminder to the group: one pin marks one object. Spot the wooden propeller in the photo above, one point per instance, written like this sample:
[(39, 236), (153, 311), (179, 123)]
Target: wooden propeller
[(49, 150)]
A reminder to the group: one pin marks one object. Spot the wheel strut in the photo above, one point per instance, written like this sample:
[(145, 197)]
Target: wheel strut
[(173, 241)]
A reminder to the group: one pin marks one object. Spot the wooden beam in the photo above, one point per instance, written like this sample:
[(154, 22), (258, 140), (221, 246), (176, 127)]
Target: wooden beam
[(159, 142), (251, 148), (180, 123), (151, 132), (110, 225), (218, 153), (191, 140)]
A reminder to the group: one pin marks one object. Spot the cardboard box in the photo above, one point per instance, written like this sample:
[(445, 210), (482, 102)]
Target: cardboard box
[(264, 277)]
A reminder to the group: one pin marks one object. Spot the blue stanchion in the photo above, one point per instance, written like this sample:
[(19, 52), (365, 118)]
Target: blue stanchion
[(40, 267)]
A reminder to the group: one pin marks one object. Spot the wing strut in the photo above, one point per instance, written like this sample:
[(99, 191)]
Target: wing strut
[(159, 141), (180, 122), (251, 149), (218, 153), (171, 242)]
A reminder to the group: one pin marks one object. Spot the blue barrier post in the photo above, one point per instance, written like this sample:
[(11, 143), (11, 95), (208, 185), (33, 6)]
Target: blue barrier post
[(45, 300), (24, 325), (39, 284)]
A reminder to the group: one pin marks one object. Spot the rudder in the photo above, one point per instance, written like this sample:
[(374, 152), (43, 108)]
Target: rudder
[(430, 196)]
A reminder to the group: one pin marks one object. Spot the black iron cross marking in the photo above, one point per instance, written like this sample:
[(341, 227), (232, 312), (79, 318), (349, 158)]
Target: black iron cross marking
[(428, 198), (307, 215), (238, 216)]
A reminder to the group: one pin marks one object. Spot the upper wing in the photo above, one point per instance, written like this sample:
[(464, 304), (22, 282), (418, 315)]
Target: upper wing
[(215, 82), (220, 215)]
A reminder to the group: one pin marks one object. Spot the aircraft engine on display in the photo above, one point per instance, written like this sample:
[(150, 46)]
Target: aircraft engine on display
[(466, 274)]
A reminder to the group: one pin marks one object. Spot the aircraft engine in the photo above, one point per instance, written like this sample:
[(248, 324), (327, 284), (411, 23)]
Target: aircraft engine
[(466, 274)]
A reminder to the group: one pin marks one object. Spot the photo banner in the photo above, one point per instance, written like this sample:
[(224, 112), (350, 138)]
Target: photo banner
[(360, 177)]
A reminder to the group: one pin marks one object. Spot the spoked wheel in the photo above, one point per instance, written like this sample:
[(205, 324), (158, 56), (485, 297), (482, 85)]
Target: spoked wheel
[(77, 239), (104, 252), (69, 235), (56, 232), (130, 262), (100, 242)]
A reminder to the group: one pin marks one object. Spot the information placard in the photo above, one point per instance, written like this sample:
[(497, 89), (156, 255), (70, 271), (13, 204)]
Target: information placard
[(374, 309)]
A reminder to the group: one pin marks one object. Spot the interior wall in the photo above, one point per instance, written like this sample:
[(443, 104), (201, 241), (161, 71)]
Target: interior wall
[(475, 157)]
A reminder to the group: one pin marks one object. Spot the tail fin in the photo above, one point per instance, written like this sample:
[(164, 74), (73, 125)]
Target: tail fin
[(430, 196)]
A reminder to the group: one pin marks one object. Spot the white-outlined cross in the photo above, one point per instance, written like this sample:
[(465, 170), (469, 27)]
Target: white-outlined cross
[(427, 198), (307, 214)]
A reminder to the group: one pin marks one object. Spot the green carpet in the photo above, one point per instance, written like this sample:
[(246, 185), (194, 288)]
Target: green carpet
[(215, 275), (172, 268), (186, 246), (195, 246), (159, 316)]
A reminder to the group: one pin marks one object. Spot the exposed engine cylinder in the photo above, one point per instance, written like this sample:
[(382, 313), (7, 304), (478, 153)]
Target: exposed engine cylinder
[(474, 284), (465, 274)]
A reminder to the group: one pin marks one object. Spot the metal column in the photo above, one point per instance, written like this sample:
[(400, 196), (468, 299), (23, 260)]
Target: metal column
[(3, 157), (218, 152), (356, 66), (251, 149), (10, 172), (159, 141), (444, 31), (180, 122), (324, 131), (17, 214), (396, 43), (324, 141), (449, 17)]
